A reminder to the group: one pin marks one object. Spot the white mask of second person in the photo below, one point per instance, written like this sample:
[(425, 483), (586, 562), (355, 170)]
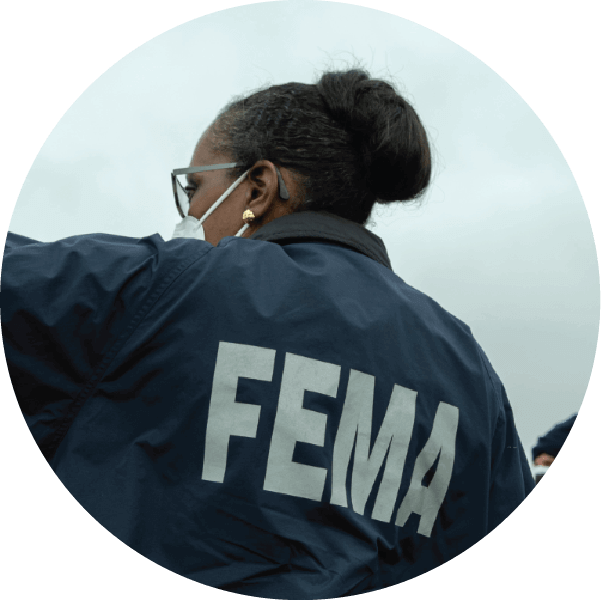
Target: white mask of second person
[(191, 227)]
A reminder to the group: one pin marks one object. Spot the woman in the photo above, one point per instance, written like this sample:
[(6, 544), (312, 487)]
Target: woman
[(271, 411)]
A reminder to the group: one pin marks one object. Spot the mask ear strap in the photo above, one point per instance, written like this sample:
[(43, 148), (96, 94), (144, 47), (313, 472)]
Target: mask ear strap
[(224, 195), (242, 230)]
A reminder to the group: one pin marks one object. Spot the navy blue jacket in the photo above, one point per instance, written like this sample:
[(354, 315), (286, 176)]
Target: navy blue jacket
[(280, 416), (553, 440)]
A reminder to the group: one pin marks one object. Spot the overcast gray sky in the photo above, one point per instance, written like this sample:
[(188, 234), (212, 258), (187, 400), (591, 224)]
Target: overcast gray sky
[(502, 240)]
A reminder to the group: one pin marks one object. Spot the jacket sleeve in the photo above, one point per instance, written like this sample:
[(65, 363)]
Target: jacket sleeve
[(65, 306), (511, 478)]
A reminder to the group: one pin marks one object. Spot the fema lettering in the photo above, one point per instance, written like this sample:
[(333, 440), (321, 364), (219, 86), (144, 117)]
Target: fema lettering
[(293, 424)]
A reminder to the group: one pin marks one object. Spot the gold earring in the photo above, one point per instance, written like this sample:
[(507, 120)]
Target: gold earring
[(248, 215)]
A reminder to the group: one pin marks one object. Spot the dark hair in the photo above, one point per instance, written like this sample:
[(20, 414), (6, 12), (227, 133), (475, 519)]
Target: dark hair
[(351, 140)]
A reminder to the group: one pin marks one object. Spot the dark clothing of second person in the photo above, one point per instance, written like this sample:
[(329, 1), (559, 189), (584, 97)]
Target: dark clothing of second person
[(553, 440)]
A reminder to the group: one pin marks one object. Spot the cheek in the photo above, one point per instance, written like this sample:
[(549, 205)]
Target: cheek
[(200, 203), (193, 209)]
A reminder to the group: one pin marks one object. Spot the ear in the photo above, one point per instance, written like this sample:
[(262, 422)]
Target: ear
[(263, 195)]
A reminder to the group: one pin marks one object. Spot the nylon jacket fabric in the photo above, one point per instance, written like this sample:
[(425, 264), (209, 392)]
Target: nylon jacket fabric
[(554, 439), (280, 417)]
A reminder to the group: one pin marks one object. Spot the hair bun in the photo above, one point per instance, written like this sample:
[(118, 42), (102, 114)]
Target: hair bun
[(389, 135)]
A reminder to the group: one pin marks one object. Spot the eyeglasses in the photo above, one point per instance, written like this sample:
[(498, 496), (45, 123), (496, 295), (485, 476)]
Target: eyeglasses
[(183, 191)]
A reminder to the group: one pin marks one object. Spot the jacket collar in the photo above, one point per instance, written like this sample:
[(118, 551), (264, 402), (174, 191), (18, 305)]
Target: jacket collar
[(320, 225)]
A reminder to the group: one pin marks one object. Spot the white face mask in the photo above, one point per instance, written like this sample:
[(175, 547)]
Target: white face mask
[(191, 227)]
